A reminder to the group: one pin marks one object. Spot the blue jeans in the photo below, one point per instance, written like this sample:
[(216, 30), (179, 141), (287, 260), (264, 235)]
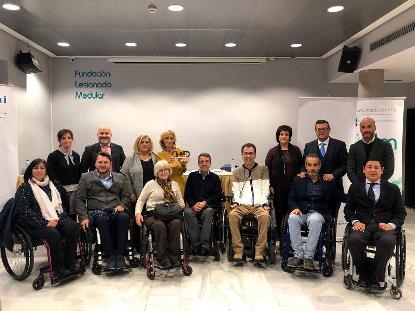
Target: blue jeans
[(314, 223)]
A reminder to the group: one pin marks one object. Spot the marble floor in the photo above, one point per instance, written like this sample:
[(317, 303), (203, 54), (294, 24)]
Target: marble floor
[(212, 286)]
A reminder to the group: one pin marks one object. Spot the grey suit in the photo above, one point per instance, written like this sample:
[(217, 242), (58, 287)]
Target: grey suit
[(381, 150), (91, 189)]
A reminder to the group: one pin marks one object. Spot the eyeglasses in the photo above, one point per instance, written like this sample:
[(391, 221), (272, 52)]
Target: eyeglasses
[(248, 154), (204, 161), (324, 129), (164, 170)]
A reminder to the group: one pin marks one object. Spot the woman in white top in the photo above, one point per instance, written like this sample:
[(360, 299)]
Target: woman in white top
[(166, 234)]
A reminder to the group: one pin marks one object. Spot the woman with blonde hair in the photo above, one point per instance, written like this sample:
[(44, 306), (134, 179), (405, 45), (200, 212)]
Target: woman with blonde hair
[(139, 168), (159, 192), (176, 157)]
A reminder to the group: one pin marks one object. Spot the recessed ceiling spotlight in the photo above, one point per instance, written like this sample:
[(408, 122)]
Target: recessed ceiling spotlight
[(131, 44), (64, 44), (230, 44), (11, 7), (296, 45), (175, 7), (335, 9), (180, 45)]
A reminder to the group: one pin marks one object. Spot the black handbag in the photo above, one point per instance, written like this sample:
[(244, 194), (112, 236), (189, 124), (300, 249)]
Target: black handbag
[(167, 211)]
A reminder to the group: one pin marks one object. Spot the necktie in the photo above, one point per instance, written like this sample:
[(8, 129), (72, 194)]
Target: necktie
[(322, 150), (371, 193)]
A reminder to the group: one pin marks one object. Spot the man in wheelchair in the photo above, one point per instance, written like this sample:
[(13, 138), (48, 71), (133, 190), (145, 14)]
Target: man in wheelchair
[(250, 188), (103, 197), (374, 210), (203, 194), (308, 203)]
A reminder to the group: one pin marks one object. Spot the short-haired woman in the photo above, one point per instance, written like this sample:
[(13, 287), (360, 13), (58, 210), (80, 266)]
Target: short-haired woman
[(41, 206), (166, 234), (172, 155), (65, 166)]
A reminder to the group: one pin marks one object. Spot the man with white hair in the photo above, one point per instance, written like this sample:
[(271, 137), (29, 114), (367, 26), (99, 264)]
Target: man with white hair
[(104, 144)]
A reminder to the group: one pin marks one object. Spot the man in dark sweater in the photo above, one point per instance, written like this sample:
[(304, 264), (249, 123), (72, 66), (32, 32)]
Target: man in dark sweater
[(203, 194)]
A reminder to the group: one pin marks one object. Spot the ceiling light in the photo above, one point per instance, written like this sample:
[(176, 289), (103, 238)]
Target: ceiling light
[(335, 9), (64, 44), (11, 7), (180, 45), (131, 44), (296, 45), (175, 7), (230, 45)]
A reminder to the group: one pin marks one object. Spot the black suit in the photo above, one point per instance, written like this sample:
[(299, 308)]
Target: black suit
[(388, 209), (90, 154), (334, 161), (381, 150)]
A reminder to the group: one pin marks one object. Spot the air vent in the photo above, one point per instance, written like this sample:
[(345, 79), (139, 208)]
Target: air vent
[(392, 36)]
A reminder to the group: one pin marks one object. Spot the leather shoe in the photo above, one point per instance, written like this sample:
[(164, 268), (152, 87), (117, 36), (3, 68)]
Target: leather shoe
[(121, 262), (165, 263), (73, 267), (204, 251), (112, 263), (62, 272), (378, 286)]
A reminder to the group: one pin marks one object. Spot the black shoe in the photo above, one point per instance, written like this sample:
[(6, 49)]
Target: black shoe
[(204, 251), (73, 267), (196, 250), (121, 262), (112, 263), (378, 286), (165, 263), (362, 282), (294, 262), (62, 272), (175, 261)]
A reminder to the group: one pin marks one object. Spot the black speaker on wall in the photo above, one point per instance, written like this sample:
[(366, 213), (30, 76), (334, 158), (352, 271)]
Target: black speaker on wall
[(349, 59), (27, 62)]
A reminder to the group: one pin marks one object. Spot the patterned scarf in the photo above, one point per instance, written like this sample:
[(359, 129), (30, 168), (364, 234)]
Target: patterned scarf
[(165, 184)]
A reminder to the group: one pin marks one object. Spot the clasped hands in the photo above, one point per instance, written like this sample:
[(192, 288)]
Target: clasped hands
[(359, 226), (85, 222)]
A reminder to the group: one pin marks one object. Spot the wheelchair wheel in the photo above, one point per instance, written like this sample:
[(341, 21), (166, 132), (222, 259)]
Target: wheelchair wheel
[(19, 262), (272, 255), (229, 251), (96, 268), (216, 251), (187, 269), (149, 264), (348, 283), (327, 269), (39, 282), (87, 247), (400, 259), (395, 293), (134, 262)]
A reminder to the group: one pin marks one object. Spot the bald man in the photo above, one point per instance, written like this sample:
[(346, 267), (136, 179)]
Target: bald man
[(369, 147), (104, 135)]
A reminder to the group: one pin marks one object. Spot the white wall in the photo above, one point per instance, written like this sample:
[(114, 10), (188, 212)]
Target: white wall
[(33, 100), (212, 108)]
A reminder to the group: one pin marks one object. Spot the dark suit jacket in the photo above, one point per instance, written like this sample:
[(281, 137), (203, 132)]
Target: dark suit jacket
[(388, 209), (334, 161), (92, 195), (381, 150), (298, 197), (90, 154)]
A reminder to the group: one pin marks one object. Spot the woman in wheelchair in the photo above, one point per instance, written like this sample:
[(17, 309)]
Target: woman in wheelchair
[(156, 195), (41, 206)]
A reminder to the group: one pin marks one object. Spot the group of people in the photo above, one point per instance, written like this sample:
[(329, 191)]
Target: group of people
[(103, 186)]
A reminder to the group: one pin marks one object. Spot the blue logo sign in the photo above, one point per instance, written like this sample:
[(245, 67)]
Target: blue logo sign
[(3, 99)]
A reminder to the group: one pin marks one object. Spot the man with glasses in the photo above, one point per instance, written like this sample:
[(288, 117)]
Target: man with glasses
[(250, 187), (203, 193), (370, 146), (333, 157)]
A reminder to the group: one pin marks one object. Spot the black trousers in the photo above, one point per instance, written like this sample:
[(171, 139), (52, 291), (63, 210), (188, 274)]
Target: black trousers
[(384, 242), (166, 232), (110, 224), (60, 254)]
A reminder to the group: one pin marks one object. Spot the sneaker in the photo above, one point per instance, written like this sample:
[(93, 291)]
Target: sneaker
[(309, 264), (294, 262), (121, 262)]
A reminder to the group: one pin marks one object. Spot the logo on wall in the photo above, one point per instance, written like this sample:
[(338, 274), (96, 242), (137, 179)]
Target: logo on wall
[(3, 99), (91, 85)]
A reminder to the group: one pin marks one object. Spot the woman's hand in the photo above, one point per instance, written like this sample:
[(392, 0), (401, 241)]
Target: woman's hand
[(85, 224), (52, 223), (139, 219)]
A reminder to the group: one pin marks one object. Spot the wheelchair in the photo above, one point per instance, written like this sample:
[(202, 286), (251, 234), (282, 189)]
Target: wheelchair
[(394, 270), (19, 261), (91, 241), (216, 242), (249, 233), (148, 251), (325, 251)]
